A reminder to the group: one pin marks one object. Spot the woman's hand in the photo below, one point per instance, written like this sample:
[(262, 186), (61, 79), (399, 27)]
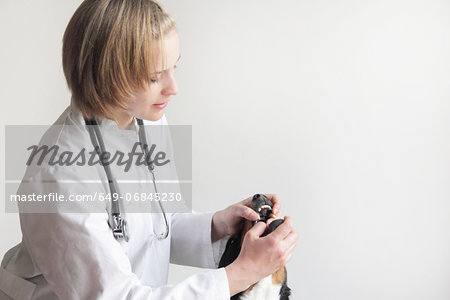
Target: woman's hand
[(261, 256), (229, 220)]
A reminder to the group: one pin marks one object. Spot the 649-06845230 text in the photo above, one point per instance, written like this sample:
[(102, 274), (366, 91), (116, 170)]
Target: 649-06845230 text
[(97, 196)]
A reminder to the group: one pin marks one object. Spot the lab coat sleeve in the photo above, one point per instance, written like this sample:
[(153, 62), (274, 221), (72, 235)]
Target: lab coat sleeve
[(191, 241), (80, 259)]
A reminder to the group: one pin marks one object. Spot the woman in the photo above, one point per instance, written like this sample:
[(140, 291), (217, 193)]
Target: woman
[(119, 58)]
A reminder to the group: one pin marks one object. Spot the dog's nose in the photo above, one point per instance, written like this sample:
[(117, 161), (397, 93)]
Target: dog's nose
[(274, 224)]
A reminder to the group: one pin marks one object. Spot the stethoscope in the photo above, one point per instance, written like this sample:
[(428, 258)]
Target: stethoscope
[(118, 223)]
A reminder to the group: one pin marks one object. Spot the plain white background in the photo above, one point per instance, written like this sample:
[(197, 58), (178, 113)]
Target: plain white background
[(340, 107)]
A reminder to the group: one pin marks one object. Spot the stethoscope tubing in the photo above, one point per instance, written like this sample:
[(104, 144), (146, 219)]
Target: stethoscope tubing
[(117, 223), (150, 166)]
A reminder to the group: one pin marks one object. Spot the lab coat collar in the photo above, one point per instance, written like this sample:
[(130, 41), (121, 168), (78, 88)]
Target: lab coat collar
[(78, 118)]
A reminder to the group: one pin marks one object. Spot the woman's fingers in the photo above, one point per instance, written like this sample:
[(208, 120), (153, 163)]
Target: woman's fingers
[(247, 201), (291, 238), (291, 241), (276, 203), (247, 213), (290, 250), (288, 257), (257, 230)]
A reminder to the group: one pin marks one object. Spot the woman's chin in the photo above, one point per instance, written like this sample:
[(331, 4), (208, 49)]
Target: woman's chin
[(153, 116)]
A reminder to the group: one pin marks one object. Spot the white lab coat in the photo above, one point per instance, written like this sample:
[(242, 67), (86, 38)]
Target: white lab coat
[(75, 256)]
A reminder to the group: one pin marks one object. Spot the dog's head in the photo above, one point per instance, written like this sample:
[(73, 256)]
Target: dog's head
[(264, 207)]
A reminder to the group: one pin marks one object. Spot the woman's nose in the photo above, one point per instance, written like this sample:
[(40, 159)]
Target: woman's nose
[(171, 87)]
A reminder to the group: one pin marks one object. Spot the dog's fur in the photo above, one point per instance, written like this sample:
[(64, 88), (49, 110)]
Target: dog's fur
[(273, 285)]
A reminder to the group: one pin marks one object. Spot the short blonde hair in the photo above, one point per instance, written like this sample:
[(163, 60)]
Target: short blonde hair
[(110, 49)]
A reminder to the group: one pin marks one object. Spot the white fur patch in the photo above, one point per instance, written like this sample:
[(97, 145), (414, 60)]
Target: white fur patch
[(263, 290)]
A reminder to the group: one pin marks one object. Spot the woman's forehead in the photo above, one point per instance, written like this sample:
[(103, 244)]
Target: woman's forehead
[(167, 65), (171, 52)]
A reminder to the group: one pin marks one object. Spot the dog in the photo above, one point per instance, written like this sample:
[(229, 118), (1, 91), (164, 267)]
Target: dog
[(273, 286)]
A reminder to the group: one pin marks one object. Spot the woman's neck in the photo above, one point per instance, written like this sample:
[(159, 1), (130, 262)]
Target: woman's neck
[(123, 119)]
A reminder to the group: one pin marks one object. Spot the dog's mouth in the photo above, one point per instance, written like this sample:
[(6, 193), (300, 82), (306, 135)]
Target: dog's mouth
[(263, 206)]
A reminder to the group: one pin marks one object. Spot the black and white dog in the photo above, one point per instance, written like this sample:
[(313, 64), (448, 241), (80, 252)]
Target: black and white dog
[(273, 286)]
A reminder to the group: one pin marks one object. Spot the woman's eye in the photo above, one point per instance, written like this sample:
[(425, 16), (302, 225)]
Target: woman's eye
[(154, 80)]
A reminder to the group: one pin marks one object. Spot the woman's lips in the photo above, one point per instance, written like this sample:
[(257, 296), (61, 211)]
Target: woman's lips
[(160, 105)]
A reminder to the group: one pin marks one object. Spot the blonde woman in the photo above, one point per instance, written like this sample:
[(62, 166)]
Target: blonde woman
[(119, 58)]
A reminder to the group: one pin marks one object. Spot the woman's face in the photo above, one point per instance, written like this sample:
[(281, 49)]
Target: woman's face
[(150, 102)]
